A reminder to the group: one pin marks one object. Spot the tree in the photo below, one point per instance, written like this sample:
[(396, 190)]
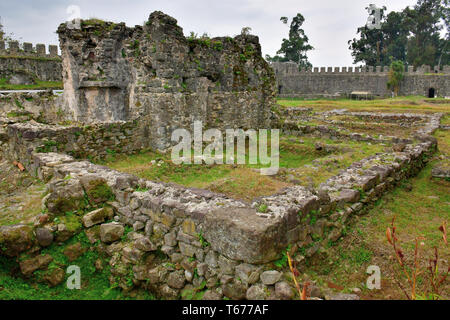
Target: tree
[(369, 47), (377, 46), (412, 36), (296, 47), (424, 21), (444, 58), (396, 75), (2, 33), (396, 33)]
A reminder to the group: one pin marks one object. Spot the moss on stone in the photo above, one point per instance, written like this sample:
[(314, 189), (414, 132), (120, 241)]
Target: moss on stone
[(65, 205), (15, 239), (47, 146), (30, 58), (72, 222), (98, 192)]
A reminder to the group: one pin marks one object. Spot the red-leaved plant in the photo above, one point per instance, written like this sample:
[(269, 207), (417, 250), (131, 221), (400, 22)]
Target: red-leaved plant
[(302, 293), (436, 278)]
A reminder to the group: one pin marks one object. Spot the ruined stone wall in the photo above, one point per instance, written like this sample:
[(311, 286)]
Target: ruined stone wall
[(35, 122), (41, 106), (182, 237), (180, 232), (93, 142), (227, 244), (155, 74), (335, 82), (29, 60)]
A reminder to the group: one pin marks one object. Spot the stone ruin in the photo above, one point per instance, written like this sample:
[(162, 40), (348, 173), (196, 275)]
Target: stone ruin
[(155, 75), (128, 88)]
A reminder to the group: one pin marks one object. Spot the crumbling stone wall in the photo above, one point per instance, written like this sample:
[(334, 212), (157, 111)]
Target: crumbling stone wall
[(294, 119), (41, 106), (180, 232), (182, 237), (30, 61), (155, 74), (226, 243), (93, 141), (31, 122), (336, 82)]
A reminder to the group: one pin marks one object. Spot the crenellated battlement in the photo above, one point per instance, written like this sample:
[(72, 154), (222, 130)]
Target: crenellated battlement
[(26, 49), (23, 63), (342, 81), (291, 69)]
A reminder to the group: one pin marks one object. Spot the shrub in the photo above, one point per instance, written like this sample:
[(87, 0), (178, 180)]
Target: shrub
[(396, 75)]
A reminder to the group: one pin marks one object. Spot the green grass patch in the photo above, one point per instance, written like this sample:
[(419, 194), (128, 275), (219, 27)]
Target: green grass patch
[(357, 256), (40, 85), (397, 104), (31, 58), (95, 284), (244, 181), (428, 201)]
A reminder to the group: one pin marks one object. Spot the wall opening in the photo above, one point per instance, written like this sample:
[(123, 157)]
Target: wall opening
[(431, 93), (279, 89)]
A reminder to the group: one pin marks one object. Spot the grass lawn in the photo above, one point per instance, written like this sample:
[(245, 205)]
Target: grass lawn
[(244, 181), (55, 85), (446, 119), (399, 104), (419, 207), (95, 284)]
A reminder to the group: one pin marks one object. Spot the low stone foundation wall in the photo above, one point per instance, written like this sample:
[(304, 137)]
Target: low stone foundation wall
[(179, 238), (41, 106), (423, 125), (83, 142)]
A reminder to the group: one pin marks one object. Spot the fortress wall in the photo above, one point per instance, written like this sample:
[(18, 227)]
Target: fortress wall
[(419, 84), (334, 82), (31, 60)]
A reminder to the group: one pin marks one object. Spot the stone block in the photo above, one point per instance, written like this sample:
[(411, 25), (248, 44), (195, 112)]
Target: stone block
[(40, 49), (27, 47), (13, 47), (53, 50), (110, 232), (242, 235)]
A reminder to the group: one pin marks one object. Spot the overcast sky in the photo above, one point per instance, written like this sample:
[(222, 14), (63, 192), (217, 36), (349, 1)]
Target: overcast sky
[(329, 23)]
